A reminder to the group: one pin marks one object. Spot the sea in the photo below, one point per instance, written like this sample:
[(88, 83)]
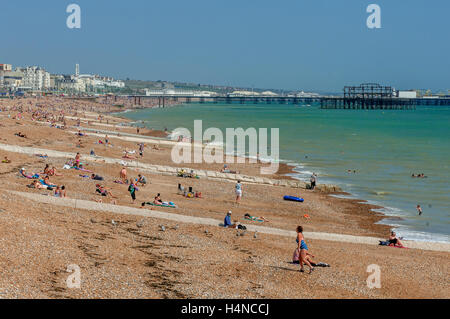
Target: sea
[(370, 154)]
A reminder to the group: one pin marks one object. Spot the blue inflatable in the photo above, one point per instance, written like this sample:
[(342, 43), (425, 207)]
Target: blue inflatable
[(294, 199)]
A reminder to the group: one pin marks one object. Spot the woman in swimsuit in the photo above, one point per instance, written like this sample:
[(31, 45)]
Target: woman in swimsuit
[(77, 160), (303, 250)]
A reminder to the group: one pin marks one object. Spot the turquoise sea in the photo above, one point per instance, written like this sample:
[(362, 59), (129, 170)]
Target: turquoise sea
[(383, 147)]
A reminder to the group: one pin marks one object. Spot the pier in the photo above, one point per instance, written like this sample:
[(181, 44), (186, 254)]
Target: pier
[(368, 96)]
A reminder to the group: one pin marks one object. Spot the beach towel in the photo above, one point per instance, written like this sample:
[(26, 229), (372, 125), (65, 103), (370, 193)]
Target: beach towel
[(163, 205), (22, 172), (253, 218)]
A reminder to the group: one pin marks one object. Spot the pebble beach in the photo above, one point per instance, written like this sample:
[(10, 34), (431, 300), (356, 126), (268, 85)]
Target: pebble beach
[(125, 251)]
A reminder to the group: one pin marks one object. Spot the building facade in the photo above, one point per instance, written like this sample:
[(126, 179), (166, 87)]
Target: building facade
[(34, 78)]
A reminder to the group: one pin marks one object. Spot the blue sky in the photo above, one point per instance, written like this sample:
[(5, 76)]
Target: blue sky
[(288, 44)]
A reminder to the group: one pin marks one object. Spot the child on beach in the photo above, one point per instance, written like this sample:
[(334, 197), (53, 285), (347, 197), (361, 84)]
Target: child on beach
[(238, 189)]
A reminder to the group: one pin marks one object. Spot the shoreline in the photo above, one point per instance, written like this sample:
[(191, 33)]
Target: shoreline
[(287, 171), (124, 252)]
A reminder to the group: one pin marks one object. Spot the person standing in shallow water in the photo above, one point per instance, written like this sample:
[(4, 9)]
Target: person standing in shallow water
[(419, 210), (313, 181)]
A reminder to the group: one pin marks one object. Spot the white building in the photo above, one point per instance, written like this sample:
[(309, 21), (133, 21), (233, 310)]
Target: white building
[(34, 78), (407, 94)]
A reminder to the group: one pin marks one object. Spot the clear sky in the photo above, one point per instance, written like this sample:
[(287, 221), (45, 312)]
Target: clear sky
[(288, 44)]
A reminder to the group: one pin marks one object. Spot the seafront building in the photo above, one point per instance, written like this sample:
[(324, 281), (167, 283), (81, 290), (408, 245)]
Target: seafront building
[(34, 78)]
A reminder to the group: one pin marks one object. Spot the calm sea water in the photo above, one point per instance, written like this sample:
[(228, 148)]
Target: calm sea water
[(384, 147)]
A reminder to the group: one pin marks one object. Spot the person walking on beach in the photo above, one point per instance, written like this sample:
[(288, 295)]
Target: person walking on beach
[(303, 250), (132, 189), (313, 181), (141, 149), (238, 188)]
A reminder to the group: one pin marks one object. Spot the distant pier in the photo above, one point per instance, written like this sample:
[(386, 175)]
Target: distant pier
[(367, 96)]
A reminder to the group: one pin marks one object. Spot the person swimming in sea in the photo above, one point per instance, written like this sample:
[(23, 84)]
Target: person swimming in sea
[(419, 210)]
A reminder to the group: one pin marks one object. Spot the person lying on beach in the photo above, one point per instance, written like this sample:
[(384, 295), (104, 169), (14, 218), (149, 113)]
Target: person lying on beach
[(103, 191), (225, 169), (125, 155), (257, 219), (20, 135), (156, 147), (6, 160), (52, 172), (158, 200), (37, 185), (46, 169), (96, 177), (227, 221), (47, 182)]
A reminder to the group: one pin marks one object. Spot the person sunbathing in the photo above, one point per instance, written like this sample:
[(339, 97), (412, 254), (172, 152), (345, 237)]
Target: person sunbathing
[(125, 155), (37, 185), (103, 191), (20, 135), (96, 177), (394, 241), (158, 200), (225, 169), (46, 169), (253, 218), (48, 183), (52, 172), (6, 160)]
